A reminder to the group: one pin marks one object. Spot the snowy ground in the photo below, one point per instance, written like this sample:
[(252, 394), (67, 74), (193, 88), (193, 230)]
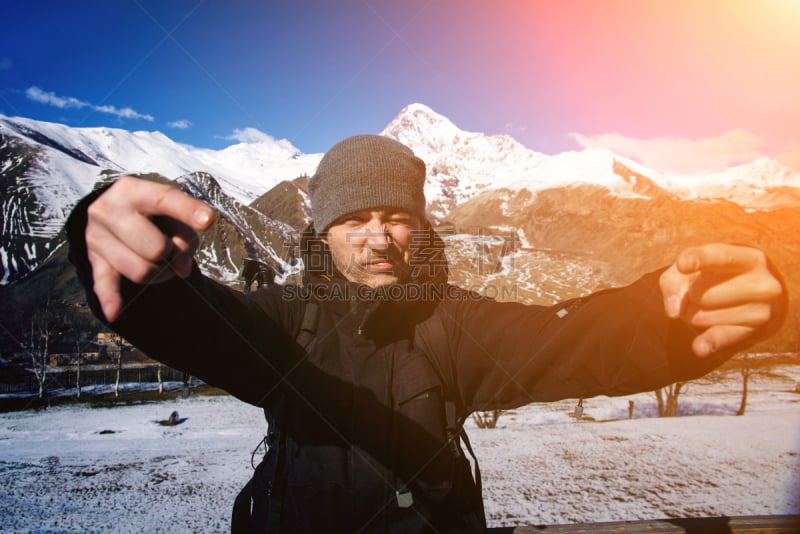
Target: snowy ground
[(80, 469)]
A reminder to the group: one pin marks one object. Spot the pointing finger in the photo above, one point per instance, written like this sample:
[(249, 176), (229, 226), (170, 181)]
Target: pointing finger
[(178, 205), (150, 198)]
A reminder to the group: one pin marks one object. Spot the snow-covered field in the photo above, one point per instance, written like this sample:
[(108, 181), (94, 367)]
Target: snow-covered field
[(80, 469)]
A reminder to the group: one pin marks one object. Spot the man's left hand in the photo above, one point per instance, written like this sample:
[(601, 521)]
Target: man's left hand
[(729, 294)]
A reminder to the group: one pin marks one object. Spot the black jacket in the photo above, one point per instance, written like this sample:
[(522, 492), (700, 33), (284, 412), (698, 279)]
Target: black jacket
[(361, 412)]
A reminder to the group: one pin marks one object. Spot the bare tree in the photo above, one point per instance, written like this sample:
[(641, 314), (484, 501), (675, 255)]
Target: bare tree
[(487, 419), (119, 369), (79, 358), (745, 372), (42, 329), (667, 399), (79, 327), (751, 366)]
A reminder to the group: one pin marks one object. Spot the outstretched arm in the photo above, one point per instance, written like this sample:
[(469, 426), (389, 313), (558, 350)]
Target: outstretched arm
[(132, 246), (143, 231), (676, 324), (729, 295)]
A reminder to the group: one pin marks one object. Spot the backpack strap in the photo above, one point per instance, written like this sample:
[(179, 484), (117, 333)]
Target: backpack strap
[(306, 338), (278, 483), (431, 337), (308, 328)]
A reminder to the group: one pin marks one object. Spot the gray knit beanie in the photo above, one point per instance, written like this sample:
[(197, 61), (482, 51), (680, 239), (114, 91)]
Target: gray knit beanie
[(363, 172)]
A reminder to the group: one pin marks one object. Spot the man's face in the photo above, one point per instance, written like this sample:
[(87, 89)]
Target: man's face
[(373, 247)]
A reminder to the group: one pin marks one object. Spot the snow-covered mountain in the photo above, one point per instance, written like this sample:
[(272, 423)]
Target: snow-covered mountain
[(762, 184), (463, 164), (548, 227), (244, 170), (460, 164), (45, 168)]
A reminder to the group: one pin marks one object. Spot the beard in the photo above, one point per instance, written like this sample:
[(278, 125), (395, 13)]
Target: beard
[(375, 268)]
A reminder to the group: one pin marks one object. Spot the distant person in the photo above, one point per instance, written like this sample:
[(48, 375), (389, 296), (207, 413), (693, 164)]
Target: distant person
[(367, 371)]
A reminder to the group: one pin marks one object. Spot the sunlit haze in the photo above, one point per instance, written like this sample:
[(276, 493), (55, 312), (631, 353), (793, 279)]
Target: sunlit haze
[(683, 86)]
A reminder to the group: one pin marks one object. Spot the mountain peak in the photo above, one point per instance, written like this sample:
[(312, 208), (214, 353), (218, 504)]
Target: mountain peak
[(422, 112), (417, 121)]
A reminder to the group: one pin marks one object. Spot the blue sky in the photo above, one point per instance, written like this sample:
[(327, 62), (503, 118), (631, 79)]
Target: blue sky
[(713, 85)]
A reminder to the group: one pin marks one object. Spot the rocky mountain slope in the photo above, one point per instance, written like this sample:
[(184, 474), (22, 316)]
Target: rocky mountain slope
[(45, 168), (525, 225)]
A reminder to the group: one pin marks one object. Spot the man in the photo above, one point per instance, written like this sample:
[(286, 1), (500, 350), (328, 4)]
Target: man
[(361, 434)]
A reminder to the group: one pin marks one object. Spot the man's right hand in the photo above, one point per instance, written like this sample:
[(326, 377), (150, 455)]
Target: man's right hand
[(144, 231)]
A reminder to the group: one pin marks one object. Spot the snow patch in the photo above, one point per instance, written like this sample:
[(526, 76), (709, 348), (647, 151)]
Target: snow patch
[(72, 468)]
